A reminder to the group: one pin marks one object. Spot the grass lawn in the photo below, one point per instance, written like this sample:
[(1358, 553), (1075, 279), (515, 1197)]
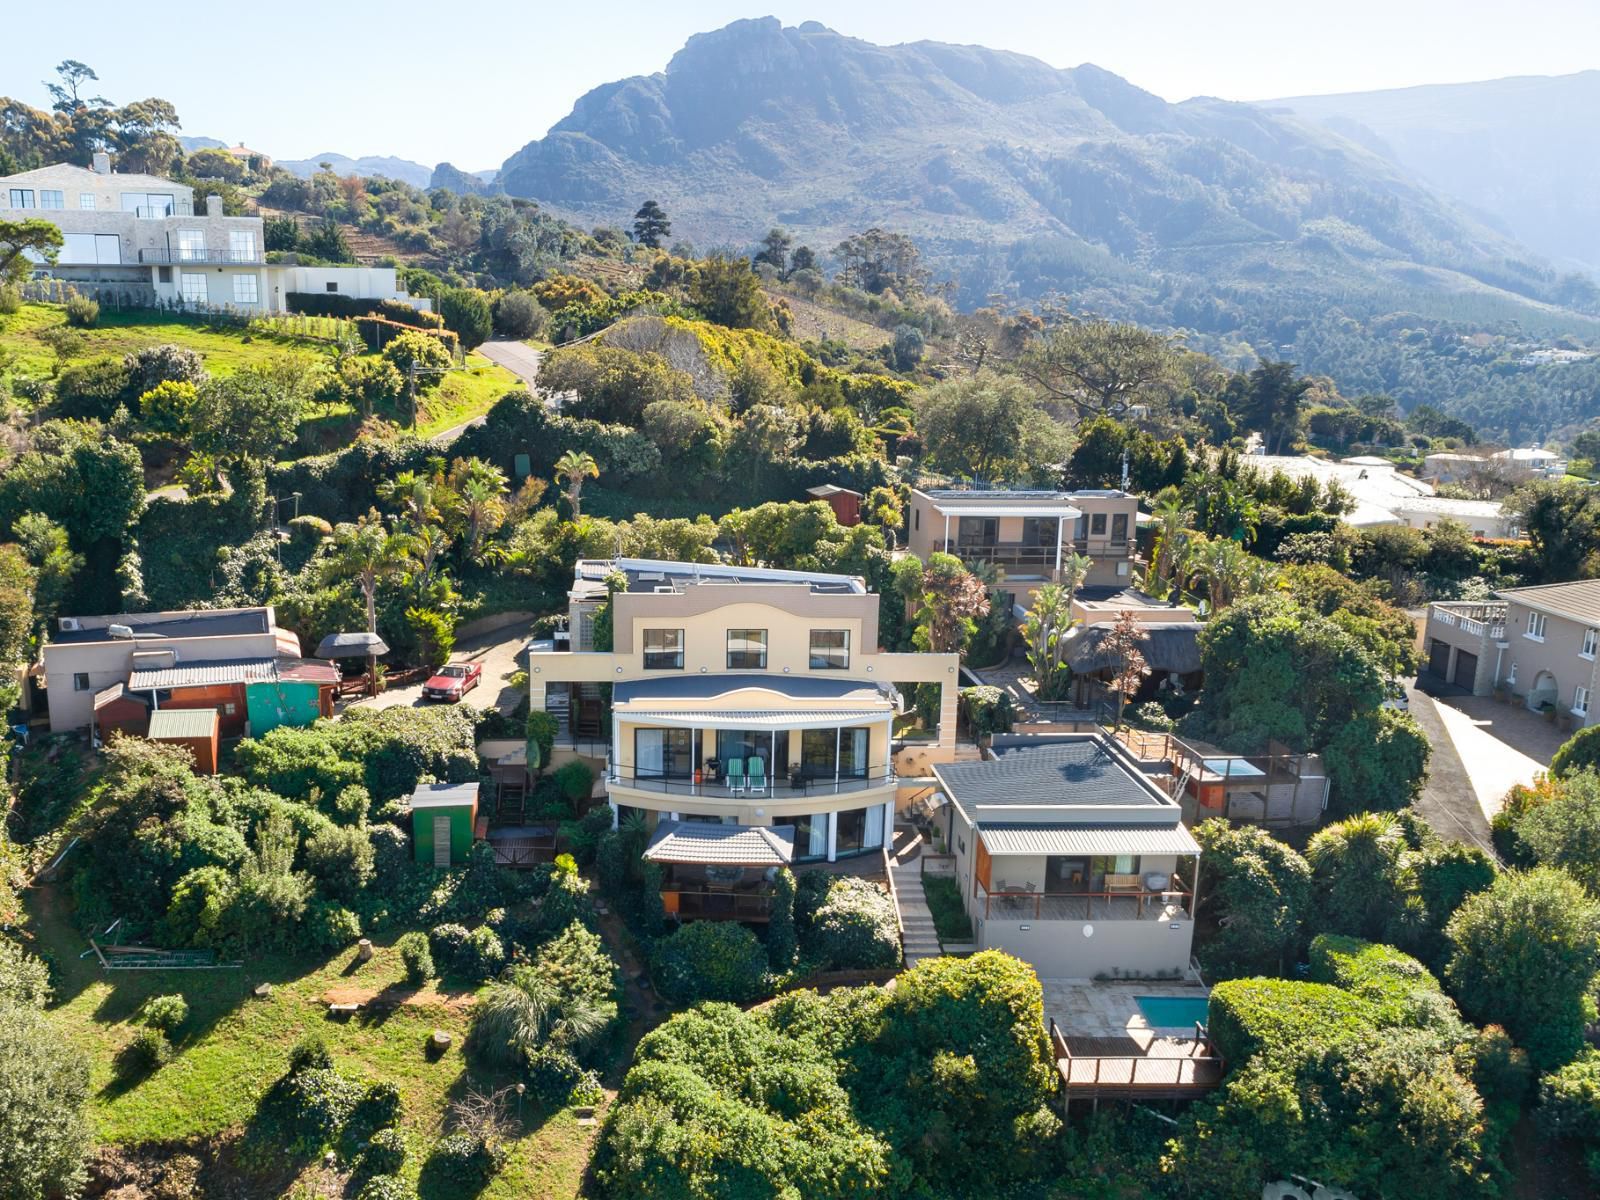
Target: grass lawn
[(234, 1045), (944, 901), (463, 395), (224, 350)]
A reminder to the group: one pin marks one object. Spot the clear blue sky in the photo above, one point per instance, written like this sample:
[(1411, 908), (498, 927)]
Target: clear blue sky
[(471, 81)]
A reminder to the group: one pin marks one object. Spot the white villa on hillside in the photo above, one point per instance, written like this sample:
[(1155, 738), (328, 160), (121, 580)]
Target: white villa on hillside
[(143, 240)]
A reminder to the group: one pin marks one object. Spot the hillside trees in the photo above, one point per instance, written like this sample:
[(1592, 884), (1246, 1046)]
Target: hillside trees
[(651, 226), (44, 1085), (18, 239), (988, 427), (1101, 368), (877, 261)]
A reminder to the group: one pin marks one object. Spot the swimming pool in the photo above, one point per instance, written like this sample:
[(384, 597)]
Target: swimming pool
[(1233, 768), (1173, 1012)]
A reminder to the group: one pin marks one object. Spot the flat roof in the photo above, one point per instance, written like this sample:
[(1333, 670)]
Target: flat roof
[(1061, 772), (444, 795), (722, 845), (229, 623), (709, 687), (650, 574), (182, 723)]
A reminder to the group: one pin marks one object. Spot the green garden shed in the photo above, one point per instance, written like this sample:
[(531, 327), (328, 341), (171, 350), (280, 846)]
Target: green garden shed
[(298, 693), (442, 819)]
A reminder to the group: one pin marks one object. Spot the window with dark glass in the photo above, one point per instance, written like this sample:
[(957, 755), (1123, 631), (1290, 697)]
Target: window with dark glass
[(1097, 523), (1039, 531), (663, 753), (1119, 527), (828, 752), (830, 649), (747, 649), (977, 531), (663, 649)]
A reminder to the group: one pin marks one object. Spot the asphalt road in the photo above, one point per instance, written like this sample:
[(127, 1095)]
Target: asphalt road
[(519, 358), (1449, 801)]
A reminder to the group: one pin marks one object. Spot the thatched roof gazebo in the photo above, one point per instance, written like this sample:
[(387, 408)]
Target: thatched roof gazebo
[(1168, 648)]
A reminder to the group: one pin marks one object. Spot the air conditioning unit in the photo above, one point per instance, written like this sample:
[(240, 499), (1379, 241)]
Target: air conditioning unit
[(120, 631), (667, 588), (69, 624)]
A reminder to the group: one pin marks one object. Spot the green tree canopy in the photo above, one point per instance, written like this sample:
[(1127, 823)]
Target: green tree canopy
[(23, 243), (988, 427)]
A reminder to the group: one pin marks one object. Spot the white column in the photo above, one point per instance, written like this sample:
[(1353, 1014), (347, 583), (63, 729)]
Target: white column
[(888, 824), (838, 743), (833, 837), (946, 545), (616, 817), (1059, 521)]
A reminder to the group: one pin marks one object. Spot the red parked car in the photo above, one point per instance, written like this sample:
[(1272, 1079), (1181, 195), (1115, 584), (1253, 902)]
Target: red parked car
[(453, 681)]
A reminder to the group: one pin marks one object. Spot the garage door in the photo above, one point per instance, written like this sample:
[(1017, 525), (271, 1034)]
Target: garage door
[(1466, 670), (1439, 658)]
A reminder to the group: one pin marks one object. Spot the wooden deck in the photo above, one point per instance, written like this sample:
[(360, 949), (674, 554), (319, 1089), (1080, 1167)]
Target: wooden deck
[(1098, 1069)]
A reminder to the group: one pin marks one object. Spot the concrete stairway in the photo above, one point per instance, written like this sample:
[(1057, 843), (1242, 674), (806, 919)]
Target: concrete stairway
[(919, 940)]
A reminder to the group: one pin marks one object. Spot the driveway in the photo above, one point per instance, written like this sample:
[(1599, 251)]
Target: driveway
[(500, 652), (521, 359), (1480, 750)]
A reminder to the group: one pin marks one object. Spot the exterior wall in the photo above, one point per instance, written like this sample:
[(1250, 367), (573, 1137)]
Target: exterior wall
[(111, 662), (204, 750), (1459, 627), (706, 613), (1484, 524), (1558, 658), (1092, 949), (461, 817), (287, 702), (227, 698), (361, 283)]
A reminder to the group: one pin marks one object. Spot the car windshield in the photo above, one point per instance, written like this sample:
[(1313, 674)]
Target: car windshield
[(452, 672)]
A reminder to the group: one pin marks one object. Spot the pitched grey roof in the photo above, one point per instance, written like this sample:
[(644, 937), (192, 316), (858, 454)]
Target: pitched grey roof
[(203, 673), (1060, 773), (709, 687), (1173, 646), (1088, 839), (732, 845), (1578, 601), (351, 645)]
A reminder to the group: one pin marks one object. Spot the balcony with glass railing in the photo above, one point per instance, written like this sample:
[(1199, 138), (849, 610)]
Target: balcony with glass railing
[(199, 256)]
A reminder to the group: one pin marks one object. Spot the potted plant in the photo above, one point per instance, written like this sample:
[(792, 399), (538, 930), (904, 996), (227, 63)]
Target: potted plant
[(1549, 711)]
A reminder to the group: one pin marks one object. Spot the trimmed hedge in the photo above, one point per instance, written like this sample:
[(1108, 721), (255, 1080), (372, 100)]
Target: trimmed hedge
[(1280, 1017), (329, 304), (1404, 992)]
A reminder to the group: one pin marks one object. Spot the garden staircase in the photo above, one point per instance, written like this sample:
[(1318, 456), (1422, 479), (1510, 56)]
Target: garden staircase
[(918, 939)]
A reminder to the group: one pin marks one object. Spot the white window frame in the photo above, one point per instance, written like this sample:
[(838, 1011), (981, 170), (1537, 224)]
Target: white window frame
[(86, 201), (21, 198), (53, 198), (1580, 702), (185, 283), (242, 245), (191, 245), (1591, 641), (254, 289), (1537, 624)]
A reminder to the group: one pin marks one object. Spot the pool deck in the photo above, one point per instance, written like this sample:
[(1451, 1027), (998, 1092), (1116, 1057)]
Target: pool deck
[(1106, 1049)]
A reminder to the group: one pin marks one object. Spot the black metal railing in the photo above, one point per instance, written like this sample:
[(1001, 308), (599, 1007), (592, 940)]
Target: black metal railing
[(202, 256), (789, 785)]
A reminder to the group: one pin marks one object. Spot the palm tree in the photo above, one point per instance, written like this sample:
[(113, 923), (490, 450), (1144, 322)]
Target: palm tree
[(1171, 516), (1045, 630), (414, 495), (575, 466), (1075, 569), (483, 511), (1224, 566), (367, 552)]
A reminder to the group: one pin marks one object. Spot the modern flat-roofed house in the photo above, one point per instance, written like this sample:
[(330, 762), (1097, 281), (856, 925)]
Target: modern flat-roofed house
[(1068, 857), (1537, 643), (213, 658), (142, 240), (1026, 534), (740, 696)]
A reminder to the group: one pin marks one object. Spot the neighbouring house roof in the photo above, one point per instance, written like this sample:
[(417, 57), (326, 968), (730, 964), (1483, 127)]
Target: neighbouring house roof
[(230, 623), (172, 723), (1087, 839), (1448, 507), (649, 574), (444, 795), (202, 674), (1166, 647), (709, 687), (351, 645), (785, 718), (302, 670), (723, 845), (823, 490), (1527, 454), (113, 693), (1578, 600), (1051, 773)]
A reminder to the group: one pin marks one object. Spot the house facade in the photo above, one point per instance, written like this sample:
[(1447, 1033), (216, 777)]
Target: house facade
[(145, 241), (1027, 534), (115, 671), (1070, 858), (740, 696), (1538, 644)]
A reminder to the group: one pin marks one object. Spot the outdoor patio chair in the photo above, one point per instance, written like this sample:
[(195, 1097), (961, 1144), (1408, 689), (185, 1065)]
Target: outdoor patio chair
[(736, 776), (758, 775)]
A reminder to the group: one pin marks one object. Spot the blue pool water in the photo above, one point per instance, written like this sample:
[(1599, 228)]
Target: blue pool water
[(1173, 1012), (1233, 768)]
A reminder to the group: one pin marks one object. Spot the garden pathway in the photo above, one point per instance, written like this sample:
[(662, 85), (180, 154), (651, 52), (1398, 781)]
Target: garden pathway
[(920, 939)]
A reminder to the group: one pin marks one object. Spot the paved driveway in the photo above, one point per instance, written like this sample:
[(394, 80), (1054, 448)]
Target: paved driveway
[(521, 359), (500, 652)]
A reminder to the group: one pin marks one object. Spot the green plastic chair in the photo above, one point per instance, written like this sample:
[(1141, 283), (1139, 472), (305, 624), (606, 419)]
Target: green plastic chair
[(736, 775), (758, 774)]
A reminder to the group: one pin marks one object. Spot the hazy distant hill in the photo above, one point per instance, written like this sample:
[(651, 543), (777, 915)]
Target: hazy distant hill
[(1526, 151), (1014, 174), (403, 169)]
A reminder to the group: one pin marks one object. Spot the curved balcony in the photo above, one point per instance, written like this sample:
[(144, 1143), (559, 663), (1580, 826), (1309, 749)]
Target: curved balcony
[(714, 784)]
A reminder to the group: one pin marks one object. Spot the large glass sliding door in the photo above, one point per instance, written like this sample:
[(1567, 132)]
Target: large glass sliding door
[(664, 753), (770, 746), (826, 751), (810, 835)]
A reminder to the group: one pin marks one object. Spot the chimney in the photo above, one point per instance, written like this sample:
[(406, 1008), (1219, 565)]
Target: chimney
[(213, 206), (102, 163)]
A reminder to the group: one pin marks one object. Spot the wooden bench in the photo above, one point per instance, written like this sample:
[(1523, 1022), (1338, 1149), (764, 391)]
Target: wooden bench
[(343, 1010)]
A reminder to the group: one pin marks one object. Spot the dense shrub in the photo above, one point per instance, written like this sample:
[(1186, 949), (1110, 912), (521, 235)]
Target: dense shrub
[(462, 1160), (1401, 989), (24, 978), (91, 390), (386, 1187), (1570, 1099), (152, 366), (330, 926), (148, 1050), (517, 314), (854, 928), (310, 1053), (576, 781), (312, 1107), (83, 312), (1580, 752), (165, 1013), (328, 304), (782, 940), (417, 956), (402, 348), (466, 314), (44, 1083), (711, 960), (385, 1153)]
